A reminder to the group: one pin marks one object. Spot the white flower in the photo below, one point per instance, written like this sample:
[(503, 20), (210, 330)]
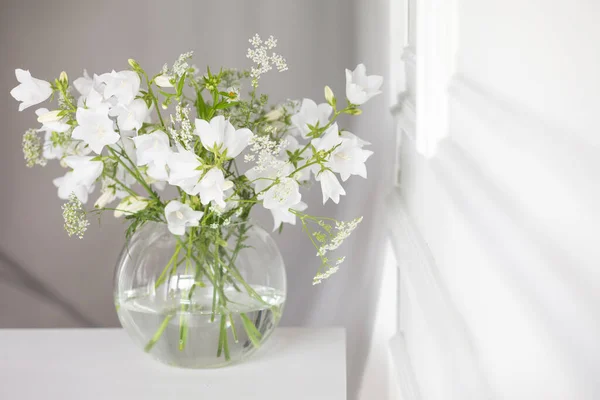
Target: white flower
[(95, 128), (262, 176), (81, 180), (84, 84), (91, 90), (311, 114), (51, 121), (330, 186), (179, 216), (348, 157), (108, 194), (220, 134), (131, 116), (284, 194), (281, 215), (123, 85), (233, 94), (130, 205), (212, 187), (163, 81), (153, 150), (30, 91), (85, 171), (360, 87), (185, 170)]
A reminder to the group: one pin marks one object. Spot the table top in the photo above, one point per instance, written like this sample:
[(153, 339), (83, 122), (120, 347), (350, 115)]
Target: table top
[(90, 364)]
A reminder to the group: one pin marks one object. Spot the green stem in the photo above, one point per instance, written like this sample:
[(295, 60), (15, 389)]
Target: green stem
[(154, 100), (158, 333)]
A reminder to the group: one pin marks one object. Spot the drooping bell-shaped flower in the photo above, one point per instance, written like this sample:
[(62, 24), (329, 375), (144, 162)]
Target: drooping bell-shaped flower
[(284, 215), (30, 91), (330, 186)]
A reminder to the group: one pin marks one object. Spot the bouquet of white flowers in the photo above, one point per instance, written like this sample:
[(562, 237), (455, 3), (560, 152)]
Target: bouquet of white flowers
[(132, 134)]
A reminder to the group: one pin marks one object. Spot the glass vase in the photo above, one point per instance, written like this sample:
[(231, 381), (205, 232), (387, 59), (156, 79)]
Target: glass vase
[(205, 299)]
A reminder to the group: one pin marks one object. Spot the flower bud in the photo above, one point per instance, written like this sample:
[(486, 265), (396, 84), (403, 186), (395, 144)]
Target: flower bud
[(163, 81), (63, 78), (50, 116), (329, 96), (354, 111), (136, 67)]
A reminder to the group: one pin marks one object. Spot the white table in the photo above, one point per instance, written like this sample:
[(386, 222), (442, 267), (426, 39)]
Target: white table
[(90, 364)]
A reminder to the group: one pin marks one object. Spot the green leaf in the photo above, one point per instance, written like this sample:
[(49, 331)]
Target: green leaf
[(180, 85), (253, 334)]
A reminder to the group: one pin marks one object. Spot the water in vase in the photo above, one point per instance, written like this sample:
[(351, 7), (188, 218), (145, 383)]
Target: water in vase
[(183, 330)]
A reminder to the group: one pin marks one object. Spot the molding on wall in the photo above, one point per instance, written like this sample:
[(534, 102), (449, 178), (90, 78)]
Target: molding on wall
[(529, 258), (406, 381), (454, 342)]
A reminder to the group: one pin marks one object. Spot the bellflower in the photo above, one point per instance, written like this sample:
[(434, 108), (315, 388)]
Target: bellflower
[(221, 135), (360, 87), (311, 114), (185, 170), (347, 158), (153, 150), (123, 85), (179, 216), (30, 91), (95, 128), (284, 215), (81, 179), (131, 116), (330, 186), (212, 187)]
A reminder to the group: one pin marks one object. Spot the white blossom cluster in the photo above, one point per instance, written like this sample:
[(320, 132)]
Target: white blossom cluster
[(113, 136), (259, 54)]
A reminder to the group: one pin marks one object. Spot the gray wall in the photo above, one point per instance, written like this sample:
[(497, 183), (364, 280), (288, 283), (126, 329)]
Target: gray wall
[(319, 40)]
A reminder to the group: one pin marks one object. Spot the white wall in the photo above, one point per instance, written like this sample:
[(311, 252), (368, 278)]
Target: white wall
[(496, 227)]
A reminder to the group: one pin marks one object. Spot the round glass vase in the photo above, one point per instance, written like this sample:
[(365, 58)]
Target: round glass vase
[(205, 299)]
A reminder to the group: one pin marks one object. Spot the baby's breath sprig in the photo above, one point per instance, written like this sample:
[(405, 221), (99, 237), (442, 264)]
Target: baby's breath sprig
[(33, 149), (76, 222)]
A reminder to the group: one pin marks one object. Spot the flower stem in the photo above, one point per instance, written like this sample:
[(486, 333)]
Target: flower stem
[(158, 333)]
